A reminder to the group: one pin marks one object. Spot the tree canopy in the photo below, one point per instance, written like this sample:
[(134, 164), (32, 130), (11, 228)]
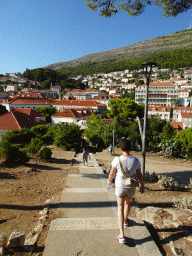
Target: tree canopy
[(47, 112), (124, 110), (98, 133), (135, 7)]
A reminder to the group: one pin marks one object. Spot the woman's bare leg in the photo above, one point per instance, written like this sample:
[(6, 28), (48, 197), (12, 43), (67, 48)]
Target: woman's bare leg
[(127, 207), (120, 203)]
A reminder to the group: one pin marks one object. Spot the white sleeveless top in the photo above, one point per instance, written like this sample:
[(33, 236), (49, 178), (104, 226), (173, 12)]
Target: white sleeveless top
[(130, 164)]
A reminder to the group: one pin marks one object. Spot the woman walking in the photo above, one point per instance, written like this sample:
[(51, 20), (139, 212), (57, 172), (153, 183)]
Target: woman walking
[(132, 168)]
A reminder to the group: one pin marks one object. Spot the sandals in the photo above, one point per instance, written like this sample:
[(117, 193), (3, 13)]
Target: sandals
[(121, 240)]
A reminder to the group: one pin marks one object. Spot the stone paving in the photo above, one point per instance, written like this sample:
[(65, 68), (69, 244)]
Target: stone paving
[(90, 225)]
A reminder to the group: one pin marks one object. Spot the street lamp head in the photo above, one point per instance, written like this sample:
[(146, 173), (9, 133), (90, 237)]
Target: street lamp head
[(148, 64)]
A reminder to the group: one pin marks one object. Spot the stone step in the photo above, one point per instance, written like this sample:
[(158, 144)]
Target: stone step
[(87, 236), (88, 204), (85, 180)]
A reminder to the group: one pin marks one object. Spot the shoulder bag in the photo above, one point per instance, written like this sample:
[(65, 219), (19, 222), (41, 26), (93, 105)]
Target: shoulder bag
[(130, 182)]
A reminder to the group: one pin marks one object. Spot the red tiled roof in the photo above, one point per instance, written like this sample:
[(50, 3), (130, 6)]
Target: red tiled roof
[(30, 101), (20, 117), (91, 103), (158, 84), (182, 108), (177, 126), (186, 115), (150, 108), (69, 113)]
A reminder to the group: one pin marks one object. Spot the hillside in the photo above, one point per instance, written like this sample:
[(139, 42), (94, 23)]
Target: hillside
[(177, 40)]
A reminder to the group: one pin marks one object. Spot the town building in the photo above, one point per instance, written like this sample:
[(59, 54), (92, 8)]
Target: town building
[(60, 105), (104, 99), (56, 89), (177, 126), (11, 87), (3, 94), (70, 116), (26, 102), (162, 112), (18, 118), (186, 119), (159, 94), (178, 109)]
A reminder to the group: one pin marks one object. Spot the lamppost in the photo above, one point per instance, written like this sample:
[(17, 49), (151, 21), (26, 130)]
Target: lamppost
[(114, 134), (147, 66)]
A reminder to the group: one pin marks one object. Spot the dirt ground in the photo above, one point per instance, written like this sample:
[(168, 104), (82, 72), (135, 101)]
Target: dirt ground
[(24, 192)]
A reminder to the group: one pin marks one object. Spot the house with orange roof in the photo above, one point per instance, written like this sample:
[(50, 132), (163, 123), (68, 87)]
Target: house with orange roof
[(60, 105), (159, 94), (56, 88), (162, 112), (19, 118), (179, 109), (177, 126), (86, 94), (104, 99), (26, 102), (186, 119), (181, 81), (71, 116), (184, 93)]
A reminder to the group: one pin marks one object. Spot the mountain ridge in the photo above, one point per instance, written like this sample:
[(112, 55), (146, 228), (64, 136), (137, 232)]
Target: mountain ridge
[(176, 40)]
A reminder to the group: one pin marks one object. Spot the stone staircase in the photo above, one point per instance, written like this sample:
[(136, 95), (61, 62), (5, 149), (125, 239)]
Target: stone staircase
[(89, 226)]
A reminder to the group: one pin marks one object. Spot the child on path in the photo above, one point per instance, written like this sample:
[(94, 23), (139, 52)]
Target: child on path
[(85, 156)]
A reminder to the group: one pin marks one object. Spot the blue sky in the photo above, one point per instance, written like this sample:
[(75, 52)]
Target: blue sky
[(36, 33)]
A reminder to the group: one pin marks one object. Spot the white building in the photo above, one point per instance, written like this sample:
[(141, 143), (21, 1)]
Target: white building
[(11, 87), (178, 109), (159, 94), (186, 118), (162, 112), (70, 116)]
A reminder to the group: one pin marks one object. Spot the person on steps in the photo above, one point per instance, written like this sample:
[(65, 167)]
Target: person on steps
[(85, 156), (132, 168)]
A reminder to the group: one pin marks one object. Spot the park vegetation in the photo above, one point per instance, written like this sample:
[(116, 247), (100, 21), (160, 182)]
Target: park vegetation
[(47, 76), (18, 146)]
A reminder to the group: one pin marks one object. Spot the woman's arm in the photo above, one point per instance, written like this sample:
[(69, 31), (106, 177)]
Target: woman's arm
[(140, 178), (111, 174)]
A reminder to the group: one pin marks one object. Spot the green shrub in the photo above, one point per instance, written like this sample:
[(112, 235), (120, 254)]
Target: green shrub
[(183, 203), (15, 136), (12, 155), (45, 154), (152, 177), (168, 182), (68, 137), (184, 140), (34, 146), (39, 130)]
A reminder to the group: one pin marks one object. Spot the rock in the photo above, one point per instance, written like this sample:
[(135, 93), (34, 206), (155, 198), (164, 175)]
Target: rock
[(149, 213), (31, 240), (44, 211), (38, 228), (3, 240), (16, 239)]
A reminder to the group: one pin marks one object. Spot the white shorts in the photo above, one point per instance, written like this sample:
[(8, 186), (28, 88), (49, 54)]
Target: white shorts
[(120, 192)]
